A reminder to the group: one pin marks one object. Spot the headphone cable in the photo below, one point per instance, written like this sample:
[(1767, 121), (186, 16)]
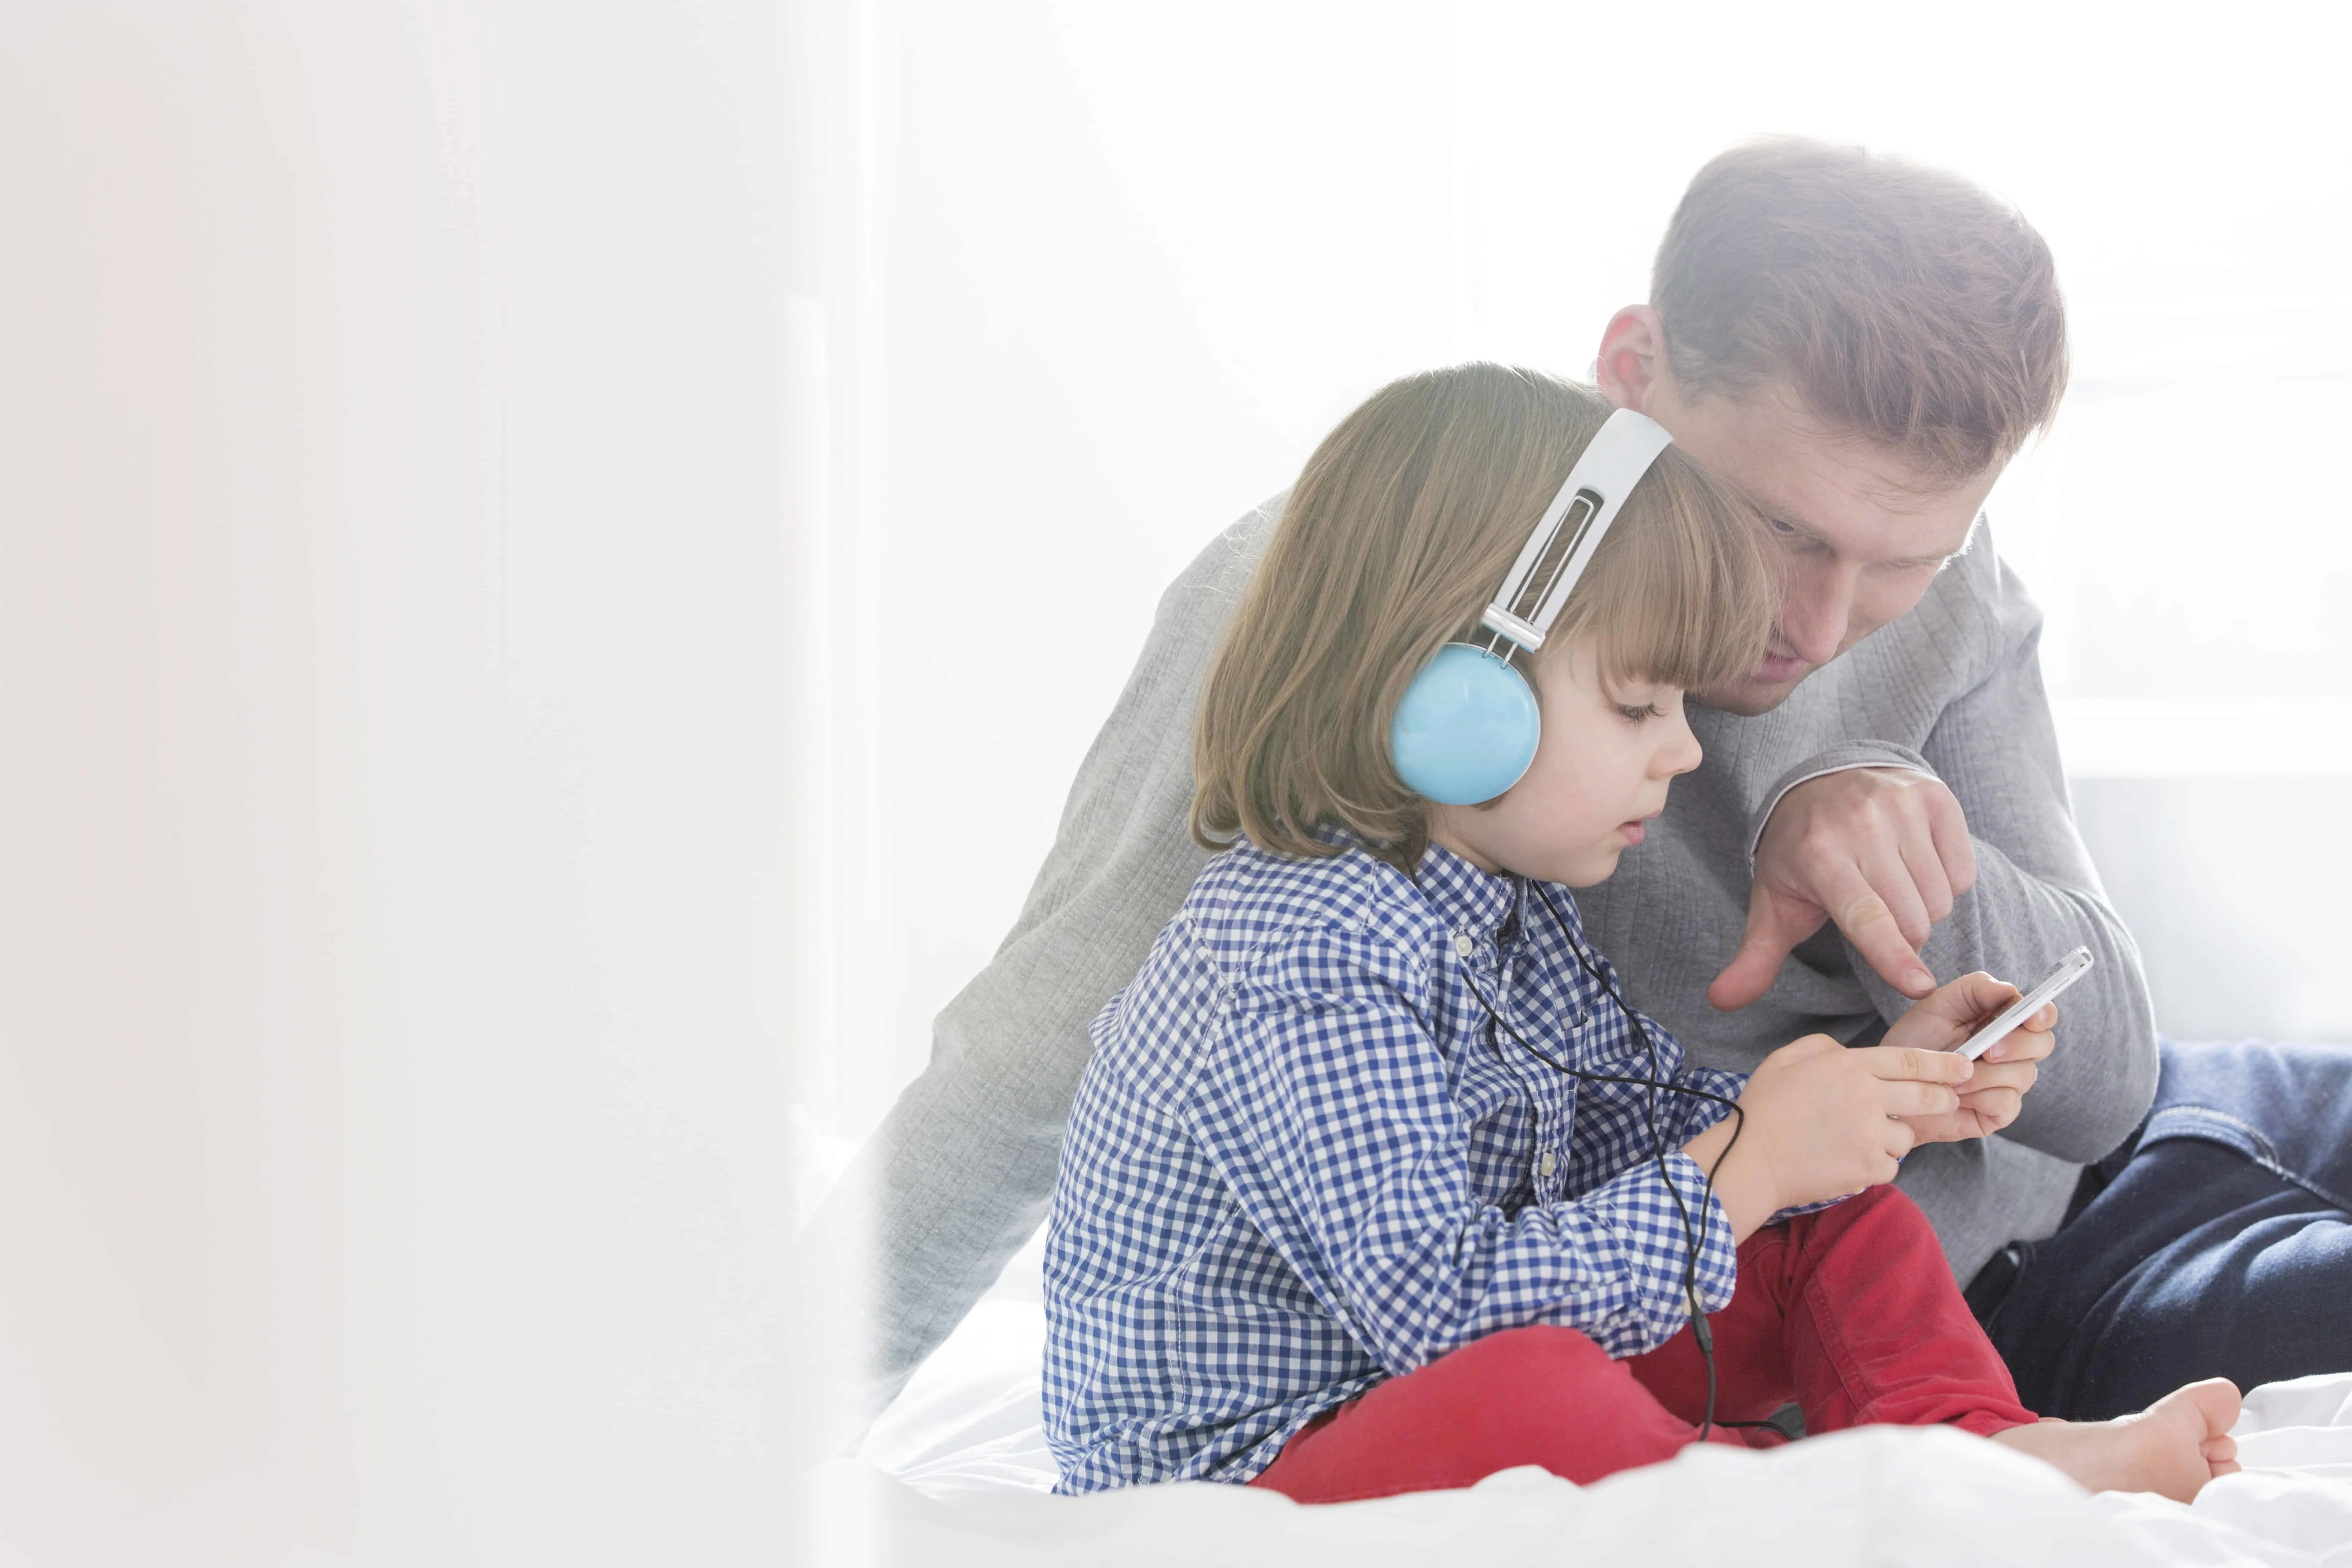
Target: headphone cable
[(1695, 1237)]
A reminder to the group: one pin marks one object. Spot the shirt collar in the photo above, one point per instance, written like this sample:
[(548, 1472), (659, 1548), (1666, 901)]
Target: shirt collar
[(1466, 898)]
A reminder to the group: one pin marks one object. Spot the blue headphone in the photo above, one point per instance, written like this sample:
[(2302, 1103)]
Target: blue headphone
[(1468, 727)]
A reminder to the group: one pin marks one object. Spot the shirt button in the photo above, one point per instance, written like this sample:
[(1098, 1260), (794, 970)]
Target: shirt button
[(1463, 944), (1544, 1166)]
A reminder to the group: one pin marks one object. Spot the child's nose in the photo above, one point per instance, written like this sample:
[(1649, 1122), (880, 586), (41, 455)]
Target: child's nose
[(1682, 751)]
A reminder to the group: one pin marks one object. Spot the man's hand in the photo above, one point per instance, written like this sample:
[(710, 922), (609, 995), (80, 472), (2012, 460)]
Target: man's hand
[(1881, 851), (1822, 1121), (1996, 1094)]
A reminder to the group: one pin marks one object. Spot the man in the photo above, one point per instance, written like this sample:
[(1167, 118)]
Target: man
[(1860, 345)]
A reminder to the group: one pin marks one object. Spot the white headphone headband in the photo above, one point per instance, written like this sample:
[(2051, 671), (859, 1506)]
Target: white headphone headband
[(1562, 545)]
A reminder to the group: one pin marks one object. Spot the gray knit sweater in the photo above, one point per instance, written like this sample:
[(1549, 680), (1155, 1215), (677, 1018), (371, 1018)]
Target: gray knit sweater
[(959, 1174)]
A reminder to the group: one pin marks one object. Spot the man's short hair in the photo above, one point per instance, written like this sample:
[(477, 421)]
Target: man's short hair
[(1899, 302)]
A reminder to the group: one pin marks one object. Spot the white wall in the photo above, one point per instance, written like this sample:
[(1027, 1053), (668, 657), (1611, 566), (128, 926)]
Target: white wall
[(392, 1165)]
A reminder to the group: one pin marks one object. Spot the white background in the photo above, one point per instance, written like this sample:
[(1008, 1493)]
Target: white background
[(560, 559)]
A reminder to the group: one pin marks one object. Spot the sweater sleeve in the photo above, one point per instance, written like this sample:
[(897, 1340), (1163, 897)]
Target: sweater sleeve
[(2036, 897)]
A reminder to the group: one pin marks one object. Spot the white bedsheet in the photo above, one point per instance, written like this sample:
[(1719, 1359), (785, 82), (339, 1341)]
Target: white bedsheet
[(957, 1470)]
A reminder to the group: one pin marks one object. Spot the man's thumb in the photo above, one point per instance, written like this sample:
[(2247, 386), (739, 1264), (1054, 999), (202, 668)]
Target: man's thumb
[(1775, 925)]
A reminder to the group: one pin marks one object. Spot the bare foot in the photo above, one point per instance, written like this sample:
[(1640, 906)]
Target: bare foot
[(2174, 1447)]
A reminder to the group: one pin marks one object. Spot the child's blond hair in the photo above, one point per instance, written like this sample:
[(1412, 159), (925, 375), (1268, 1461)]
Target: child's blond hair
[(1398, 533)]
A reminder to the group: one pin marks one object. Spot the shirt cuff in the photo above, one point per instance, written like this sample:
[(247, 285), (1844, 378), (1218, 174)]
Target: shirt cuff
[(1838, 759), (1648, 1224), (1783, 1217)]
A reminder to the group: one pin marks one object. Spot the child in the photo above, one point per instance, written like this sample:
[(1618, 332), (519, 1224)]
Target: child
[(1373, 1183)]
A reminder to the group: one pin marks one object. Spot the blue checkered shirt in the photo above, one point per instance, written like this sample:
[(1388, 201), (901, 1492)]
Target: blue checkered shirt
[(1302, 1160)]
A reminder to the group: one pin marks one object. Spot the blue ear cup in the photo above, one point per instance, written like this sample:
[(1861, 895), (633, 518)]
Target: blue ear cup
[(1467, 729)]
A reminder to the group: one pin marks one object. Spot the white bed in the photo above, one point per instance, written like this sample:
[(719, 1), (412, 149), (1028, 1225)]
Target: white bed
[(957, 1470)]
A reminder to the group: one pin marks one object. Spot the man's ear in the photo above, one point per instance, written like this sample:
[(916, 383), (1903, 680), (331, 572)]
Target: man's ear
[(1632, 358)]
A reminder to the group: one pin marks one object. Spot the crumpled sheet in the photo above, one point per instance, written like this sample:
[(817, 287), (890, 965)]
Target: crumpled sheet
[(955, 1473)]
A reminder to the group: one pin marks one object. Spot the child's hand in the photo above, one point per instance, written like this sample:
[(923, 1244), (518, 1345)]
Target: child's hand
[(1824, 1121), (1994, 1095)]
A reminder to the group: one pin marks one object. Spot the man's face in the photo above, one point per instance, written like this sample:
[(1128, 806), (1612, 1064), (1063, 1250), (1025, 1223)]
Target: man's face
[(1859, 535)]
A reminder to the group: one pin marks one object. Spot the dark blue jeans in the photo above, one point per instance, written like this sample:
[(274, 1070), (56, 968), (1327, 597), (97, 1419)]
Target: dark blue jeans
[(2216, 1242)]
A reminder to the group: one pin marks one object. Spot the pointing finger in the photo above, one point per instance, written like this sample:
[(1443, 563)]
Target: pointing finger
[(1890, 877), (1866, 921), (1947, 828), (1924, 864)]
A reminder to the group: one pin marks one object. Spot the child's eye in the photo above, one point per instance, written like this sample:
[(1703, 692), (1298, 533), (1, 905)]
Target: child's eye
[(1641, 715)]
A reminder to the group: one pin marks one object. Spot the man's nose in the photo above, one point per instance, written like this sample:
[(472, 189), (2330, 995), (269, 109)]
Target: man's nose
[(1816, 608)]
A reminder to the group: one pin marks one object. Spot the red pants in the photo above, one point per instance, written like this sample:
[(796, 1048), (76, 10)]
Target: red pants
[(1852, 1312)]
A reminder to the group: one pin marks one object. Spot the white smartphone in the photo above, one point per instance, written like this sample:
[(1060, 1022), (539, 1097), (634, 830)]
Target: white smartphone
[(2070, 969)]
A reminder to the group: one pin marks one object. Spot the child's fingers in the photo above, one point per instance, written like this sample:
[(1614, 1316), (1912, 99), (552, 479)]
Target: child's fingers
[(1809, 1045), (2025, 1045), (1904, 1096), (1897, 1139), (1911, 1062), (1995, 1107), (1814, 1045), (2016, 1075), (1972, 998), (1955, 1128)]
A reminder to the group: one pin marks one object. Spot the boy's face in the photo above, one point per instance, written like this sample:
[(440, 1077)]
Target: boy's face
[(1858, 533), (1601, 772)]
